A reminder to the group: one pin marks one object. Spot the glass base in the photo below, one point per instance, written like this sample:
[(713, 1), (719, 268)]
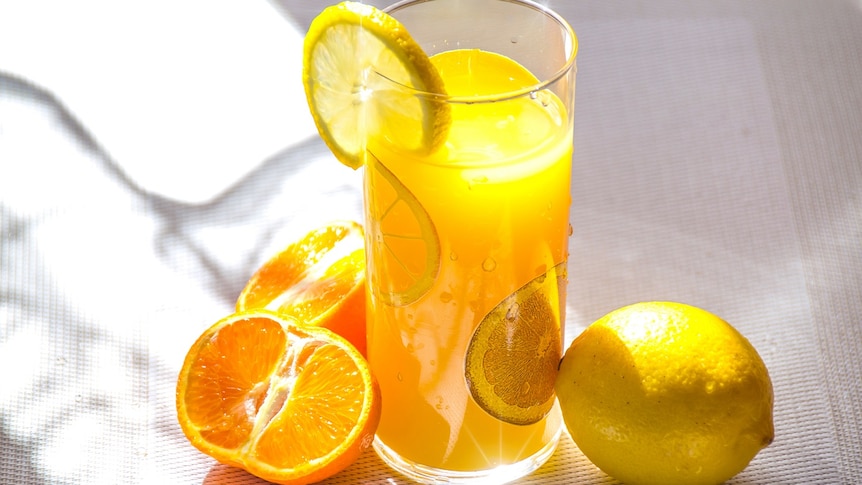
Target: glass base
[(493, 476)]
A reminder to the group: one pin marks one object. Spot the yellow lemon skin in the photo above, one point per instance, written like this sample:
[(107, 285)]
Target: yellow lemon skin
[(666, 393)]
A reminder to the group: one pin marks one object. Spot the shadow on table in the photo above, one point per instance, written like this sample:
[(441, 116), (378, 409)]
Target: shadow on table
[(368, 469), (567, 465), (18, 455), (59, 403)]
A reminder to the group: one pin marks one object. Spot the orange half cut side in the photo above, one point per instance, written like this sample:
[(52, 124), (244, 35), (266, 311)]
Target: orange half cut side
[(318, 279), (288, 403)]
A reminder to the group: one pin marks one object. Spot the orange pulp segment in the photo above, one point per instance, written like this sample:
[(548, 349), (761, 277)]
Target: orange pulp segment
[(288, 403), (318, 279)]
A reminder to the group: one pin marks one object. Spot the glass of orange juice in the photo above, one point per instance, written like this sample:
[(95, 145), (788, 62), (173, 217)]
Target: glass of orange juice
[(467, 246)]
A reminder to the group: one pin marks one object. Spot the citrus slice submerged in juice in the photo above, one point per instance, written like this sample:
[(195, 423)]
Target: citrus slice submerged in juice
[(512, 359), (401, 227)]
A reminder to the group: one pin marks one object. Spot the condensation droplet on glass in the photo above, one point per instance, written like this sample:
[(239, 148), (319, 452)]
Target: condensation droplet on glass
[(445, 297), (489, 264), (571, 230), (542, 96), (399, 377), (433, 362), (481, 179), (453, 256), (514, 39), (504, 123)]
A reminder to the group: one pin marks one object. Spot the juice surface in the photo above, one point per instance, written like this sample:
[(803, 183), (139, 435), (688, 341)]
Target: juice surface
[(452, 235)]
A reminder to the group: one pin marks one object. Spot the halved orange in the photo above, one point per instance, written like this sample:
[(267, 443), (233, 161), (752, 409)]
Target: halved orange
[(288, 403), (318, 279)]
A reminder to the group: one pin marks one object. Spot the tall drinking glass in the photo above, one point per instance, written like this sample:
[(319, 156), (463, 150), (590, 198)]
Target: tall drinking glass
[(467, 247)]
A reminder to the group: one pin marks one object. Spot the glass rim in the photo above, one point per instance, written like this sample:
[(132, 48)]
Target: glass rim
[(571, 44)]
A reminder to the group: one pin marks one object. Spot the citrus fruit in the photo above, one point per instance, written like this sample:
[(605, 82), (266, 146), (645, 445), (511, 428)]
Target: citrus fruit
[(406, 247), (318, 279), (288, 403), (666, 393), (354, 59), (512, 358)]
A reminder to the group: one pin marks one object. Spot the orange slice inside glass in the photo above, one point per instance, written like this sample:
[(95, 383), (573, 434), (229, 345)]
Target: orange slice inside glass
[(512, 358), (407, 249)]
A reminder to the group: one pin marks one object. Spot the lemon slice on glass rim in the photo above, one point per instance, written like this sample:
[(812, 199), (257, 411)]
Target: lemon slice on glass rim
[(366, 78)]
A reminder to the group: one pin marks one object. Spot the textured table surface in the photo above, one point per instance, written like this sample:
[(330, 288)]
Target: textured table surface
[(152, 156)]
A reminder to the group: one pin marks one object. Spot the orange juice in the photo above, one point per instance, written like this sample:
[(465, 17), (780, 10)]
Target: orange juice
[(467, 253)]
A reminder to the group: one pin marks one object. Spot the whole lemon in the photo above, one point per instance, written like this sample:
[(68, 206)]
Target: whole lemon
[(665, 393)]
